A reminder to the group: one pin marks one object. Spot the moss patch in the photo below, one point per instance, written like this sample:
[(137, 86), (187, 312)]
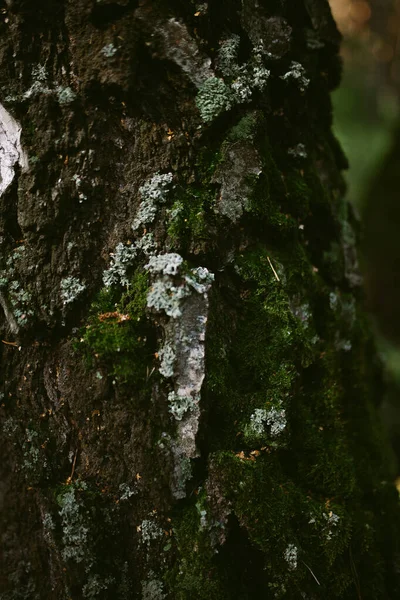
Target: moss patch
[(116, 337)]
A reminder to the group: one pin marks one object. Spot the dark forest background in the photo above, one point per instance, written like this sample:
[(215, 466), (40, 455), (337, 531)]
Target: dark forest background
[(366, 121)]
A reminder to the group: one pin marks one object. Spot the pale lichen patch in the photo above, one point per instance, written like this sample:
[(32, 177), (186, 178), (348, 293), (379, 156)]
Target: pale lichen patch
[(275, 418), (241, 162), (153, 193), (177, 45), (184, 298), (290, 556), (297, 73), (11, 151)]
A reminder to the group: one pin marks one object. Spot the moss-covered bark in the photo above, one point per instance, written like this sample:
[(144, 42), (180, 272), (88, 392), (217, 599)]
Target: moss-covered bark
[(189, 387)]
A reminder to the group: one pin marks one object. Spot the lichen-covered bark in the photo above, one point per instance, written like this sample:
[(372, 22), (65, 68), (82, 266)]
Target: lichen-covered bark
[(189, 390)]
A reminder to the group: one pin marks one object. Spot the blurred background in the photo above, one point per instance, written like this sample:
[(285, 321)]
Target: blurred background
[(367, 123)]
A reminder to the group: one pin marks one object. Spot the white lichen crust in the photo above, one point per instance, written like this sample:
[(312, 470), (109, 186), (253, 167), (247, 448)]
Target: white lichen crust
[(71, 288), (153, 193), (290, 556), (184, 298), (219, 94), (179, 47), (275, 418), (296, 73), (11, 151), (241, 165)]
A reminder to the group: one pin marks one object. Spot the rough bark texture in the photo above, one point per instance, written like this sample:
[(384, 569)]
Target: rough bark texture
[(189, 389)]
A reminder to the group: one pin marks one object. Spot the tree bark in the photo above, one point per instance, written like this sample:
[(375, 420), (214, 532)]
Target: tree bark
[(189, 389)]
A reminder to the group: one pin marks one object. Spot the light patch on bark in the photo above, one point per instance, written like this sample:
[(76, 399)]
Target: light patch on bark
[(179, 47), (184, 298), (187, 335), (12, 323), (11, 152), (241, 161)]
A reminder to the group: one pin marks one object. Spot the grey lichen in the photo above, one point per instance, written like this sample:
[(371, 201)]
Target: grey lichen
[(168, 291), (95, 585), (259, 76), (124, 257), (74, 530), (126, 491), (275, 418), (301, 309), (214, 97), (39, 83), (146, 244), (152, 589), (168, 264), (153, 193), (150, 532), (290, 556), (258, 420), (20, 301), (342, 344), (65, 95), (71, 289), (109, 50), (165, 296), (39, 73), (200, 279), (121, 259), (34, 463), (170, 287), (297, 73), (78, 182), (180, 404), (251, 76), (241, 89), (227, 59), (217, 95), (332, 521), (47, 521), (298, 151), (167, 357), (15, 300)]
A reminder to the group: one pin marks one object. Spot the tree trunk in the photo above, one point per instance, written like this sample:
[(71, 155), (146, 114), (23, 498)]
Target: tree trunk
[(189, 390)]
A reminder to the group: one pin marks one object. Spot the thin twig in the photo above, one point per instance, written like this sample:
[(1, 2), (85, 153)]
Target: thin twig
[(151, 373), (311, 572), (272, 267), (355, 574), (10, 343), (73, 465)]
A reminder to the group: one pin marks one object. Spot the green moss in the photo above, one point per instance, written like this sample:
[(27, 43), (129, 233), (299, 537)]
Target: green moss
[(269, 191), (134, 300), (195, 574), (207, 160), (116, 337), (246, 128), (303, 484), (299, 193), (188, 217)]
